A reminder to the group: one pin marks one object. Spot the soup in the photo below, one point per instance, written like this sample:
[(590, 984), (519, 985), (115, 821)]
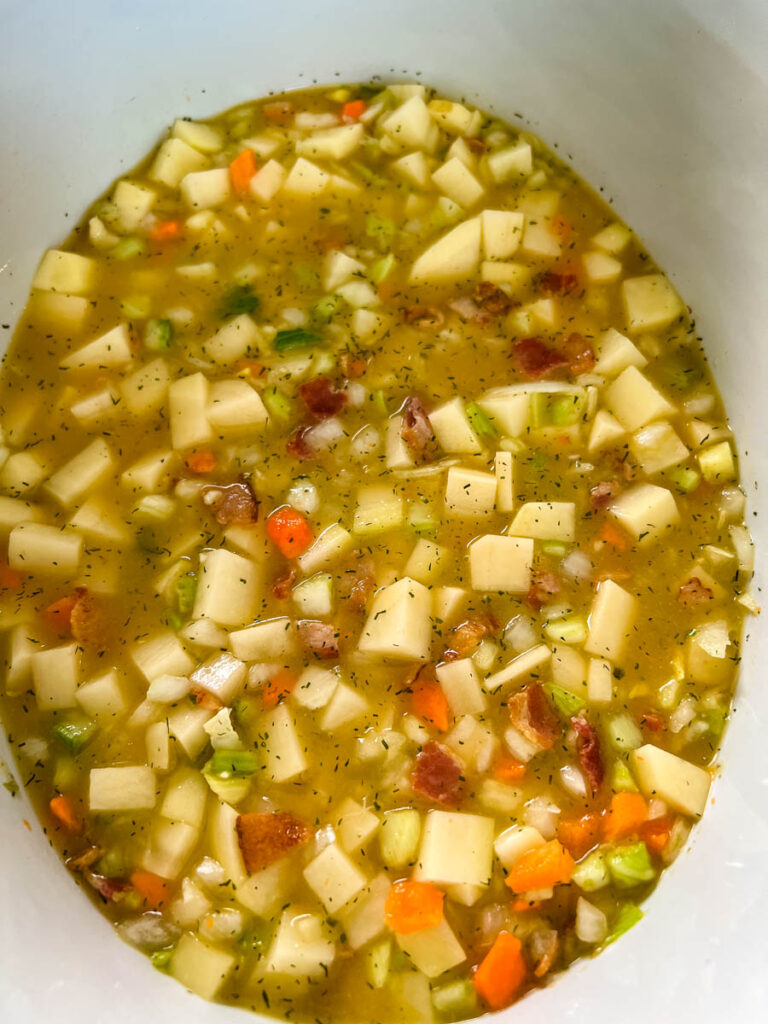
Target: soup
[(374, 559)]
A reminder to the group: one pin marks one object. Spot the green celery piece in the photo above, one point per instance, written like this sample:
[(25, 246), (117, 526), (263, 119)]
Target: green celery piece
[(380, 269), (369, 177), (236, 301), (421, 519), (228, 763), (621, 778), (380, 403), (323, 363), (158, 335), (295, 339), (325, 309), (175, 621), (127, 248), (567, 703), (480, 423), (74, 732), (564, 410), (245, 711), (684, 478), (65, 774), (136, 307), (278, 405), (399, 837), (381, 228), (571, 629), (592, 873), (537, 404), (161, 959), (12, 786), (456, 999), (627, 917), (715, 719), (630, 865), (555, 548), (186, 590)]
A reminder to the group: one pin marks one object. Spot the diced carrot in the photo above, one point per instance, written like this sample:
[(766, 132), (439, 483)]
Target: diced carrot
[(152, 888), (541, 868), (624, 816), (579, 835), (523, 906), (166, 231), (386, 290), (201, 462), (278, 688), (501, 973), (241, 170), (613, 536), (10, 579), (429, 703), (413, 907), (353, 109), (561, 227), (278, 112), (59, 614), (289, 531), (508, 769), (251, 368), (61, 808), (655, 833)]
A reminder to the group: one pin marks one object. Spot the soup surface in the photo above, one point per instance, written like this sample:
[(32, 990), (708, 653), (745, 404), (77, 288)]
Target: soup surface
[(373, 559)]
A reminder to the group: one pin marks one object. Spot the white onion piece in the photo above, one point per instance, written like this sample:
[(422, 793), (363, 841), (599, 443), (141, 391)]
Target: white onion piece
[(325, 435), (591, 922), (221, 925), (293, 317), (303, 497), (577, 566), (520, 634), (683, 714), (572, 780), (356, 393), (210, 872), (365, 442), (543, 815)]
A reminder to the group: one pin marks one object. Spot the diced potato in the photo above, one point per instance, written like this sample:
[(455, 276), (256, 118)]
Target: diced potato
[(398, 625), (516, 276), (228, 588), (530, 662), (66, 312), (85, 472), (306, 180), (455, 117), (411, 126), (452, 428), (285, 757), (358, 294), (235, 339), (145, 390), (332, 543), (502, 231), (545, 520), (514, 841), (613, 238), (615, 352), (707, 659), (97, 407), (265, 892), (185, 797), (338, 269), (175, 159), (427, 562), (355, 825), (508, 408), (126, 788), (345, 706), (274, 640), (108, 351), (599, 681), (187, 726), (222, 676), (433, 951), (170, 845), (38, 548), (680, 784), (379, 509), (332, 143), (646, 511), (15, 510), (315, 687), (334, 878), (66, 272), (455, 180), (315, 597), (504, 469), (200, 136), (132, 203), (657, 447), (102, 696), (447, 602), (267, 181), (363, 917), (157, 741), (606, 430), (511, 162), (600, 268), (188, 400), (502, 564), (611, 621), (650, 302), (415, 168), (717, 463), (454, 255), (56, 673), (456, 848), (23, 472), (470, 493), (23, 644), (461, 685), (151, 473), (302, 947), (198, 966), (162, 655), (475, 744), (634, 401), (234, 407), (539, 239)]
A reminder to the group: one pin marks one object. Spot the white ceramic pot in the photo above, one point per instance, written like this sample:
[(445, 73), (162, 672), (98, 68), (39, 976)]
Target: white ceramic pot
[(664, 103)]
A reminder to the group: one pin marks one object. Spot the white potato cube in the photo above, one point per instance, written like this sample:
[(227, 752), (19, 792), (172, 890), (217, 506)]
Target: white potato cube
[(363, 917), (599, 681), (188, 401), (411, 126), (345, 707), (272, 641), (657, 447), (145, 390), (285, 752), (447, 602), (455, 255), (706, 654), (545, 520), (427, 562), (606, 430), (461, 685), (127, 788), (646, 511), (267, 181), (650, 302), (615, 352), (332, 143), (234, 406), (133, 202), (433, 951), (38, 548), (85, 472), (680, 784), (175, 159), (398, 453), (502, 231), (102, 696), (379, 509), (529, 663), (55, 674), (198, 966), (514, 841), (187, 726), (511, 162), (228, 588), (302, 947), (108, 351), (201, 136), (162, 655), (600, 268), (455, 117), (501, 564), (355, 825), (611, 621), (470, 493), (398, 625), (634, 401), (65, 272), (334, 878), (235, 339), (456, 849), (455, 180), (338, 269), (222, 676), (332, 543), (613, 238), (504, 470), (306, 180), (151, 473), (453, 430), (315, 687), (509, 409), (414, 168)]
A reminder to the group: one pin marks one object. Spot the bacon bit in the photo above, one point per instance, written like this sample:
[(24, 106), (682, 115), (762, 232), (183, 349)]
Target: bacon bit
[(352, 366), (553, 283), (84, 860), (437, 775), (110, 889), (59, 614), (650, 720), (87, 622), (545, 945), (279, 112), (545, 586), (467, 635), (321, 638), (476, 145), (492, 299), (590, 757), (267, 837), (602, 494), (387, 290), (429, 318), (469, 310), (297, 446), (531, 714), (416, 430), (694, 593), (363, 586), (283, 584), (536, 360), (321, 398), (232, 503), (580, 353), (205, 699), (200, 462)]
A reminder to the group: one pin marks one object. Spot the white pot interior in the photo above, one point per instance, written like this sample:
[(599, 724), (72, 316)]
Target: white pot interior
[(664, 104)]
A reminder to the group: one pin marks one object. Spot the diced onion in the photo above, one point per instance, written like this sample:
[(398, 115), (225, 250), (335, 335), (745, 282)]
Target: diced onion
[(543, 815), (572, 780), (303, 497), (150, 931), (577, 565), (221, 925), (683, 714), (591, 922), (520, 634), (325, 435), (365, 442), (210, 872)]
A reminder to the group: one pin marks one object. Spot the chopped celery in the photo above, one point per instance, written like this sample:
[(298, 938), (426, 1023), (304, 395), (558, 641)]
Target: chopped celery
[(554, 548), (380, 403), (369, 176), (158, 335), (456, 999), (377, 960), (245, 711), (592, 873), (74, 732), (186, 590), (175, 621), (278, 405), (715, 719), (65, 774), (630, 865), (421, 519), (127, 248), (480, 423), (399, 837), (569, 630), (295, 339), (325, 309), (624, 732), (136, 307), (564, 410), (538, 410), (236, 301), (226, 763), (567, 703), (684, 478), (381, 228), (161, 958), (380, 269), (627, 918), (621, 778), (324, 363)]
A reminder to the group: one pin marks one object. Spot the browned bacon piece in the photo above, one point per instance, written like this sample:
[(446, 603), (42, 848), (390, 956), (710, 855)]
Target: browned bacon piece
[(87, 623), (554, 283), (602, 494), (580, 354), (321, 398), (467, 635), (650, 720), (544, 587), (362, 586), (694, 593), (320, 638), (536, 360), (428, 318), (278, 112), (492, 299), (297, 446), (266, 837), (531, 715), (590, 757), (283, 584), (437, 775), (234, 503), (416, 430)]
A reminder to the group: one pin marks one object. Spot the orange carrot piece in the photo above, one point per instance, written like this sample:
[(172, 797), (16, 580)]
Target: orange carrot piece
[(523, 906), (655, 833), (624, 816), (429, 703), (509, 769), (241, 170), (59, 614), (541, 868), (579, 835), (353, 109), (413, 907), (251, 368), (501, 973), (10, 579), (201, 462), (166, 231), (278, 688), (289, 531), (152, 888), (613, 536), (561, 227), (61, 808), (278, 112)]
